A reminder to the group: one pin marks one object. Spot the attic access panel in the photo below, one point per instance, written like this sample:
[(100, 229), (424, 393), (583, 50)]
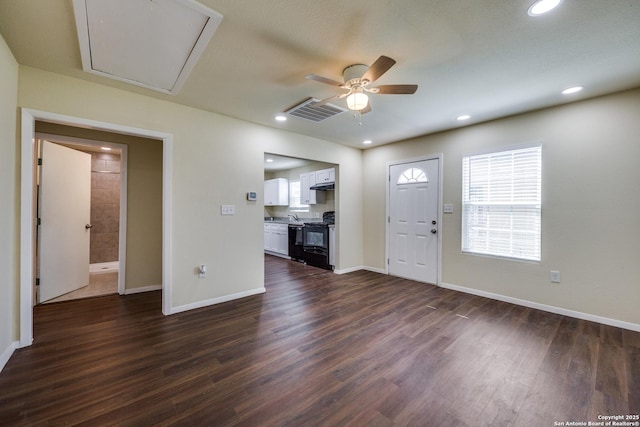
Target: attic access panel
[(149, 43)]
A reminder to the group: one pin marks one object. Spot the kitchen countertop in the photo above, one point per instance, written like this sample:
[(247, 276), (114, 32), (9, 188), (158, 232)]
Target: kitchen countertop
[(282, 220)]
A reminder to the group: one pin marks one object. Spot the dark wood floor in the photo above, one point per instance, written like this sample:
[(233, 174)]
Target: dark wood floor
[(360, 349)]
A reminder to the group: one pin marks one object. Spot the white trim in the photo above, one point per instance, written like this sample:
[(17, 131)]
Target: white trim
[(213, 20), (440, 158), (218, 300), (6, 354), (142, 289), (348, 270), (545, 307), (122, 232), (374, 269), (272, 253), (28, 118)]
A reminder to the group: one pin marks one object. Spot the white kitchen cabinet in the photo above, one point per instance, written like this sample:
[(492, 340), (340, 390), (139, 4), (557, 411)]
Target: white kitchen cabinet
[(326, 175), (307, 196), (276, 238), (276, 192)]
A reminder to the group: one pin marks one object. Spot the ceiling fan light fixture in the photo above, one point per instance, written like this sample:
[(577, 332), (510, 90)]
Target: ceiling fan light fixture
[(357, 100)]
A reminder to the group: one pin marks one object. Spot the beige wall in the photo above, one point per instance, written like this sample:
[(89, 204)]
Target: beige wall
[(9, 259), (590, 212), (216, 160), (144, 201)]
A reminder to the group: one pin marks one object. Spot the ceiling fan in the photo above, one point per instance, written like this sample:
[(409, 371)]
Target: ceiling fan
[(357, 79)]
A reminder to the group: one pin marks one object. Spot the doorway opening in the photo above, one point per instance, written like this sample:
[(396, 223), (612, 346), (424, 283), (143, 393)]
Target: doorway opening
[(162, 238), (105, 230)]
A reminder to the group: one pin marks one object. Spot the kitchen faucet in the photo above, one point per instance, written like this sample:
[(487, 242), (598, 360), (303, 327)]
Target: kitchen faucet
[(294, 217)]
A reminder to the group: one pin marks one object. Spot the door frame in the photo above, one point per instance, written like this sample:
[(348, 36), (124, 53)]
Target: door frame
[(27, 205), (122, 232), (440, 158)]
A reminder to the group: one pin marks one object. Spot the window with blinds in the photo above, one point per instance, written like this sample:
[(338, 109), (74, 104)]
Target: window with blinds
[(501, 203)]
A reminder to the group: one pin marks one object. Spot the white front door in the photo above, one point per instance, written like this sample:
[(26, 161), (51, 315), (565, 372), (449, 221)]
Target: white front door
[(65, 214), (413, 220)]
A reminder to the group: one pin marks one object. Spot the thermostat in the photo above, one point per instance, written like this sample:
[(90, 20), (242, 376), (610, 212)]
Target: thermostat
[(252, 195)]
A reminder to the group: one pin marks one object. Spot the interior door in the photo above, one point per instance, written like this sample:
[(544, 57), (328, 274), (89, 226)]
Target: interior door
[(413, 220), (64, 214)]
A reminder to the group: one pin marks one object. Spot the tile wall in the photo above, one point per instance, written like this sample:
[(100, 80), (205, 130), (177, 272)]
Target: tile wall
[(105, 207)]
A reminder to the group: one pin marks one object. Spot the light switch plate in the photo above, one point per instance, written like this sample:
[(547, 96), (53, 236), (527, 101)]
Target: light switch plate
[(227, 209)]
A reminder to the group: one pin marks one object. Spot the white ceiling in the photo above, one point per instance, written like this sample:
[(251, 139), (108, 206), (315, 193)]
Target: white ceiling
[(486, 58)]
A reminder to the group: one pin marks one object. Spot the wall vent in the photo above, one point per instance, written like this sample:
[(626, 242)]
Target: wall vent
[(305, 110)]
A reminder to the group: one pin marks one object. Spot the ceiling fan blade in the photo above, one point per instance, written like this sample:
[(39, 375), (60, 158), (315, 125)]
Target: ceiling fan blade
[(324, 80), (395, 89), (327, 100), (378, 68)]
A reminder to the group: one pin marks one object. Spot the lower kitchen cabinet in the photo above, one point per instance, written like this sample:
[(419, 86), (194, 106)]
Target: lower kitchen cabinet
[(276, 239)]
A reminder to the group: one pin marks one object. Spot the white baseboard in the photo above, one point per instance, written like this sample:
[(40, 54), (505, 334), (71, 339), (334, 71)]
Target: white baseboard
[(277, 254), (218, 300), (347, 270), (375, 270), (361, 267), (142, 289), (544, 307), (6, 354)]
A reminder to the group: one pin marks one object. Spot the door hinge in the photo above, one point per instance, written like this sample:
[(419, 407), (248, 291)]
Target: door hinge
[(388, 261), (39, 221), (37, 281), (389, 219), (39, 161)]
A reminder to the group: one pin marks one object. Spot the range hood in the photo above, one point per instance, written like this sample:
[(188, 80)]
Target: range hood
[(323, 186)]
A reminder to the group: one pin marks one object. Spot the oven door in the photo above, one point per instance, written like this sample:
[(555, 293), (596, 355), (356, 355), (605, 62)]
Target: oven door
[(316, 237), (316, 246)]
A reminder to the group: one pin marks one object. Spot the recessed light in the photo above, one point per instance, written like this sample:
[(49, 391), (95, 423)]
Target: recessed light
[(463, 117), (269, 160), (571, 90), (541, 7), (366, 142), (281, 118), (105, 148)]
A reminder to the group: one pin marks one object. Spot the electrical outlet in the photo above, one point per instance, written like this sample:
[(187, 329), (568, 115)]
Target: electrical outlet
[(227, 209), (554, 276)]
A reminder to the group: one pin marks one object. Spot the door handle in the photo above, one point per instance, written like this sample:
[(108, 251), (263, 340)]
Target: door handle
[(434, 231), (88, 226)]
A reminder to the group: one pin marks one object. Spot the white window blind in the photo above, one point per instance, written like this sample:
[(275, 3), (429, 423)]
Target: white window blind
[(501, 203), (295, 204)]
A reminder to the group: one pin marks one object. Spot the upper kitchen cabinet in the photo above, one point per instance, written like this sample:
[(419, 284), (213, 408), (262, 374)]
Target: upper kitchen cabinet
[(326, 175), (308, 196), (276, 192)]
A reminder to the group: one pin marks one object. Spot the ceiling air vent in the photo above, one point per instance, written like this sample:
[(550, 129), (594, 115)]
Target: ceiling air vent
[(305, 110)]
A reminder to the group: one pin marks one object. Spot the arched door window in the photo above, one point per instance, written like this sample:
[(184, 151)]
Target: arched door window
[(412, 176)]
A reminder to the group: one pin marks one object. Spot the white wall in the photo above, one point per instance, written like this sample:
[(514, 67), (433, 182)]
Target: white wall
[(9, 262), (590, 212), (216, 160)]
